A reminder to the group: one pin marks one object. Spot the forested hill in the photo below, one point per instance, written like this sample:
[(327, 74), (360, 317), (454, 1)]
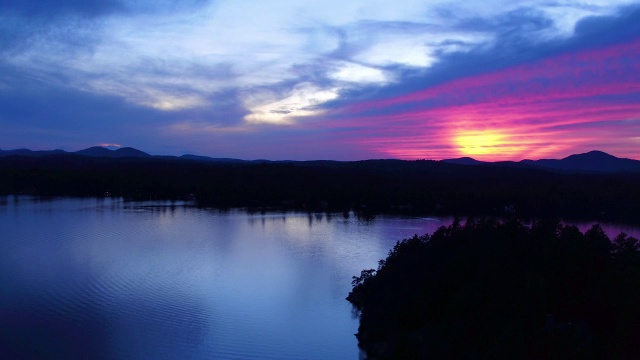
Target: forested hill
[(373, 186), (589, 162), (503, 290)]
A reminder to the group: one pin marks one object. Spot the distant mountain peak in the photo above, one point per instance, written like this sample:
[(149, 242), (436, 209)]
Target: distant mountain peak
[(130, 152), (463, 161), (595, 161), (592, 161), (594, 154), (99, 151)]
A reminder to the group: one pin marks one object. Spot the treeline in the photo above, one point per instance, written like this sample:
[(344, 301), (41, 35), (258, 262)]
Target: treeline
[(370, 186), (503, 290)]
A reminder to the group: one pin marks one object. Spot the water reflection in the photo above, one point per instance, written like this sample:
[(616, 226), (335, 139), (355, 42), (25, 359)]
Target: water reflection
[(147, 280), (169, 280)]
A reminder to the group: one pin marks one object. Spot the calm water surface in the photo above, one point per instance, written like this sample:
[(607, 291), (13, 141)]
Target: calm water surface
[(103, 278)]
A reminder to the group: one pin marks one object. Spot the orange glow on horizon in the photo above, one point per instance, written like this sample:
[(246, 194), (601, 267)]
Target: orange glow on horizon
[(479, 143), (544, 109)]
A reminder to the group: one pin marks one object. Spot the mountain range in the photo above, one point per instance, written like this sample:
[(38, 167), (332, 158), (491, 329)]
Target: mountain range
[(592, 161)]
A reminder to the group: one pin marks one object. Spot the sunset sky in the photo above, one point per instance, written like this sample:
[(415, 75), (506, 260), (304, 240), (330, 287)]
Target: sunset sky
[(343, 80)]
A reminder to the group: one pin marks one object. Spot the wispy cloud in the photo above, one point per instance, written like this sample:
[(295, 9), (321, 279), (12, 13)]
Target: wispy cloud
[(554, 105), (292, 66)]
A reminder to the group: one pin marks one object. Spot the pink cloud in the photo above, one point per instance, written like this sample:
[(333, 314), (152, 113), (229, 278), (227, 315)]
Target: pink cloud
[(569, 103)]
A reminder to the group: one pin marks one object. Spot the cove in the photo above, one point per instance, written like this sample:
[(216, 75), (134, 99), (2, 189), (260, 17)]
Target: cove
[(105, 278)]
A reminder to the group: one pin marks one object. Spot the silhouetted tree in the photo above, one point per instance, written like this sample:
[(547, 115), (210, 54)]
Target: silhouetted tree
[(500, 289)]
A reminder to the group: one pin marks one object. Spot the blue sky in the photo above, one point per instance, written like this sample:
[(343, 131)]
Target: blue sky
[(321, 80)]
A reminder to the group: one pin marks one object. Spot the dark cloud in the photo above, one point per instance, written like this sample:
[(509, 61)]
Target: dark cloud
[(67, 24), (71, 23), (516, 43), (56, 8), (598, 30), (46, 105), (225, 109), (519, 23), (42, 112), (162, 6), (94, 8)]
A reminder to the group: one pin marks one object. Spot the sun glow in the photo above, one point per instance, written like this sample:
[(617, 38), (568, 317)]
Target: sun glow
[(479, 143)]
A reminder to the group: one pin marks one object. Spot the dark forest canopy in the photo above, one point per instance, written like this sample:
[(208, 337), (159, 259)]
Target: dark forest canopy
[(372, 186), (502, 290)]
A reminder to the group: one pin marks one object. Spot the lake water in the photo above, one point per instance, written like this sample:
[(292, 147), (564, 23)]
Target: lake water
[(103, 278)]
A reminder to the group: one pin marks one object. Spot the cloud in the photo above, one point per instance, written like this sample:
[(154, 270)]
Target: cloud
[(57, 8), (359, 74), (221, 66), (303, 100), (48, 115), (557, 104), (263, 50), (76, 26), (96, 8), (512, 43)]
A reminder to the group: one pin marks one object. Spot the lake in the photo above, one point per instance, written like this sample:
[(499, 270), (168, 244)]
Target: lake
[(105, 278)]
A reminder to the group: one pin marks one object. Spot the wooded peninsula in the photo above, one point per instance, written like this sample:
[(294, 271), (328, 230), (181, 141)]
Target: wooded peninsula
[(501, 290)]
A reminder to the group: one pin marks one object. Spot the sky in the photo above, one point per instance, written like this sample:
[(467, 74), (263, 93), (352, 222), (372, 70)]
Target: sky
[(308, 80)]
